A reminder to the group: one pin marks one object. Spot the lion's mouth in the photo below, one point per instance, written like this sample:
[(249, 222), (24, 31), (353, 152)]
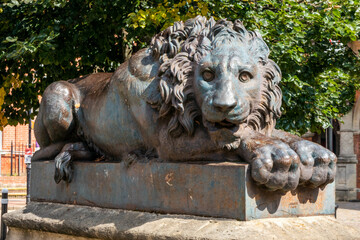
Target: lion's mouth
[(225, 123), (214, 126)]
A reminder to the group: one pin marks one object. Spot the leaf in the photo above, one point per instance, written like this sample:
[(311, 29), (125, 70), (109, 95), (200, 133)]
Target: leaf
[(10, 39), (2, 96)]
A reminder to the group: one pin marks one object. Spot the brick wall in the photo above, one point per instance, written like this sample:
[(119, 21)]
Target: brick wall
[(18, 137), (14, 181)]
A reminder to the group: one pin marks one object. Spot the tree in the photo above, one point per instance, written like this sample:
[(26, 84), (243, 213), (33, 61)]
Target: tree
[(45, 40)]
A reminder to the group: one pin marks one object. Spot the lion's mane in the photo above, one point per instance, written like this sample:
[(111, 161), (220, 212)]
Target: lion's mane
[(182, 45)]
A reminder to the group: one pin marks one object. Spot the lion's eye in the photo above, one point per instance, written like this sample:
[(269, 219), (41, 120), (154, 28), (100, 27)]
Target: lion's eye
[(208, 75), (245, 76)]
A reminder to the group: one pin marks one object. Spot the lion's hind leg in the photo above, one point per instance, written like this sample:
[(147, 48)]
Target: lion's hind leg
[(64, 169), (48, 152), (55, 123), (56, 118), (59, 120)]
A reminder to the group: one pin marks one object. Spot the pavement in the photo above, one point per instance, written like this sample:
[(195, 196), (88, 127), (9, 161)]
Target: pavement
[(349, 214)]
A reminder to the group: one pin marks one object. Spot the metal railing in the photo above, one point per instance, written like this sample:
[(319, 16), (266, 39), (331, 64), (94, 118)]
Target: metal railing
[(16, 153)]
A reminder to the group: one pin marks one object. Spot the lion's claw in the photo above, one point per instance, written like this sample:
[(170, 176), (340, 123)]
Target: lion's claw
[(276, 166), (318, 165), (279, 166)]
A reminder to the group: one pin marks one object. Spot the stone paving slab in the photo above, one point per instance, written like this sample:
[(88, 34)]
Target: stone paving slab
[(349, 214), (93, 222)]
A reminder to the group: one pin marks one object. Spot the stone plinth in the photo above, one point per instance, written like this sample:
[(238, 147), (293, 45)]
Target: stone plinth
[(346, 178), (61, 221), (213, 189), (347, 160)]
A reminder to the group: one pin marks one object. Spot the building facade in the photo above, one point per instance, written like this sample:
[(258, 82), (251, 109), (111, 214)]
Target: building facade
[(348, 167), (14, 140)]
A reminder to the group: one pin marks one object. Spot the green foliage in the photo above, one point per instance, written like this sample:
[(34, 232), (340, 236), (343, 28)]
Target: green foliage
[(49, 40), (42, 41)]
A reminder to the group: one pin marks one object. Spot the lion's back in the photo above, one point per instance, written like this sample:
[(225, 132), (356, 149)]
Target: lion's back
[(141, 66), (92, 83)]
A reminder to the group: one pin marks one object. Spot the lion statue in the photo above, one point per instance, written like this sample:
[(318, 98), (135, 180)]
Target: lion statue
[(202, 91)]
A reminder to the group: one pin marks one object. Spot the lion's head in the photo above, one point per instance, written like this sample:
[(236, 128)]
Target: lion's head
[(217, 72)]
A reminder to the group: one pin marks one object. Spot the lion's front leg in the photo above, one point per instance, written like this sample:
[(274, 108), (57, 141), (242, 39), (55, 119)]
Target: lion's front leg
[(317, 164), (273, 163)]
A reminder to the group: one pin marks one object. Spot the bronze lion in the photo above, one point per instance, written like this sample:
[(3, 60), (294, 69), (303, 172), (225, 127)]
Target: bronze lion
[(202, 91)]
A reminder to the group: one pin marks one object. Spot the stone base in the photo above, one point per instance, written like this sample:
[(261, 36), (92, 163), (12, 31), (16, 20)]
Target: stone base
[(202, 189), (346, 178), (62, 221), (23, 234), (346, 194)]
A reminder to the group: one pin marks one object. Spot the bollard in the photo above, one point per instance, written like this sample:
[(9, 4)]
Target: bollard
[(336, 207), (4, 207), (28, 173)]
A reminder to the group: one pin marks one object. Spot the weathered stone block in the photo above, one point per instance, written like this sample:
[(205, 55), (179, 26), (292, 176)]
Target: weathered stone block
[(203, 189), (62, 221)]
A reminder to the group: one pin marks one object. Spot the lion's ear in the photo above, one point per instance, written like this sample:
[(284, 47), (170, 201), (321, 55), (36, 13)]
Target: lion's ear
[(239, 27), (258, 47)]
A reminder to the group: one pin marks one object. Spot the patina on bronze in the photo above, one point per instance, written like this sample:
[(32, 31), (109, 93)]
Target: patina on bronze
[(202, 91)]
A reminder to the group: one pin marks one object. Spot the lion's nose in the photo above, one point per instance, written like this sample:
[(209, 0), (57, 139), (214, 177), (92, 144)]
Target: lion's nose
[(224, 105)]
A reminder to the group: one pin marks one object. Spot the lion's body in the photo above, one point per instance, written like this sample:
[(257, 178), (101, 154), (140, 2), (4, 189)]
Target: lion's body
[(111, 119), (95, 119), (203, 90), (109, 112)]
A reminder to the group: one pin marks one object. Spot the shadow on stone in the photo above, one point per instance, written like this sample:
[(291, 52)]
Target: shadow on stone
[(265, 200), (305, 194)]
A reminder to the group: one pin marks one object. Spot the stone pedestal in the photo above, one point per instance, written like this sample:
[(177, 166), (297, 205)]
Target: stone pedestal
[(63, 222), (140, 202), (202, 189), (346, 178), (347, 160)]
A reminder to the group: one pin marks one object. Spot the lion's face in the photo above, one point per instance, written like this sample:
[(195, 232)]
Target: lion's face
[(227, 85), (217, 72)]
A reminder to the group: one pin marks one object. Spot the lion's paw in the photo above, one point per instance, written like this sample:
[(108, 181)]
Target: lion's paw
[(63, 167), (318, 164), (276, 166)]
